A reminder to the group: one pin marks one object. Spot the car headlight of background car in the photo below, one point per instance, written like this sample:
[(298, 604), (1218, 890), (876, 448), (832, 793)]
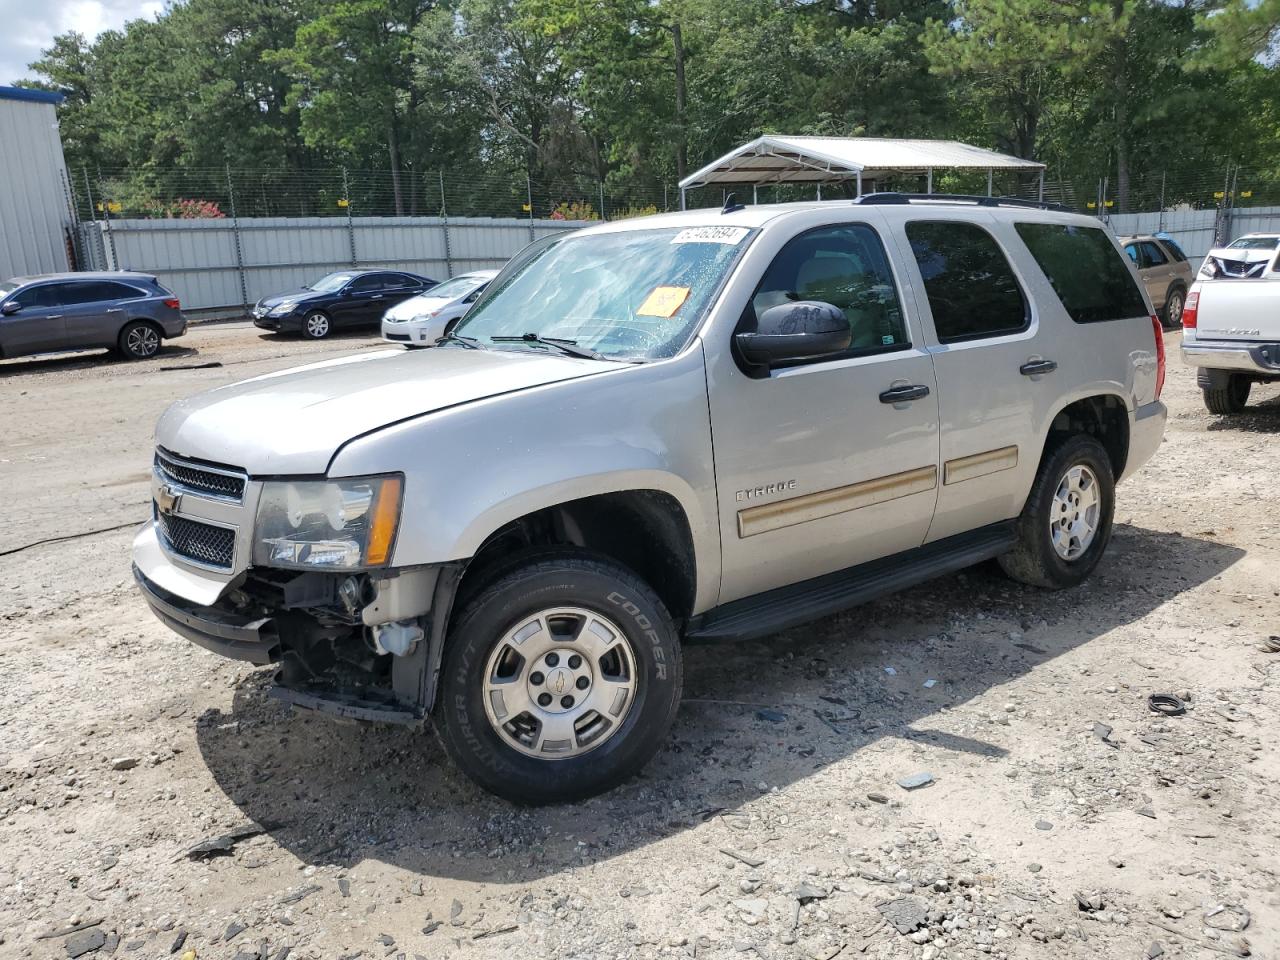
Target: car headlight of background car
[(282, 309), (331, 524)]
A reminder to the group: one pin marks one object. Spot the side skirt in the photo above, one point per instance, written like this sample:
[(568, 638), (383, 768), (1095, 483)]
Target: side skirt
[(766, 613)]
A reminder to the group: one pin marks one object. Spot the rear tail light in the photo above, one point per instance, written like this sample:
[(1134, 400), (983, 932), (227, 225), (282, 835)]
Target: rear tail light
[(1189, 309), (1159, 332), (173, 303)]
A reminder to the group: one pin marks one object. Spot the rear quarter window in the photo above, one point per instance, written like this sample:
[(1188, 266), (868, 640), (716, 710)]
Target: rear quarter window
[(1085, 270)]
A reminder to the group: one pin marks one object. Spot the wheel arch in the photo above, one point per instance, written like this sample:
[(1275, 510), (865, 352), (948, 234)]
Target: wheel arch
[(1104, 416)]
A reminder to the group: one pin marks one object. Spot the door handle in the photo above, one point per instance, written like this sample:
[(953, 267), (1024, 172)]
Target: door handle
[(115, 310), (1033, 367), (905, 393), (376, 296), (53, 316)]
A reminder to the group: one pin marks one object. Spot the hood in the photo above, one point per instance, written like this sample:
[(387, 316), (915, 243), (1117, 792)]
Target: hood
[(422, 303), (293, 421), (295, 296), (1240, 262)]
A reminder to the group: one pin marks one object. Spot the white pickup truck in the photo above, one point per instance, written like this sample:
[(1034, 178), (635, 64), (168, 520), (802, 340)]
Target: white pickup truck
[(1231, 321)]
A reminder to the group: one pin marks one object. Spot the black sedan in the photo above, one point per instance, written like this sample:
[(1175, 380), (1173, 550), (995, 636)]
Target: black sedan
[(342, 300)]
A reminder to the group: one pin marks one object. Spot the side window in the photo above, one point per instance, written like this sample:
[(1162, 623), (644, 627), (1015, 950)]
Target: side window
[(70, 294), (1173, 250), (41, 296), (1152, 255), (971, 287), (111, 290), (1131, 249), (1085, 271), (845, 266), (366, 284)]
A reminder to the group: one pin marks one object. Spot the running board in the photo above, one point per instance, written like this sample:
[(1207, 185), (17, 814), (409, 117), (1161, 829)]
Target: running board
[(753, 617)]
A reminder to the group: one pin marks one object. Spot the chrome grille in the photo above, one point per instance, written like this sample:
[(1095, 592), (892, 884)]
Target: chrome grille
[(199, 478), (199, 542)]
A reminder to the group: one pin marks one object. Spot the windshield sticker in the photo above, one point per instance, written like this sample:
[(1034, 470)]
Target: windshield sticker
[(729, 235), (663, 302)]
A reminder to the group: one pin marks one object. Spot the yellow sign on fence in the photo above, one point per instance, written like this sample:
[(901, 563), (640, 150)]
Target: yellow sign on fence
[(344, 202)]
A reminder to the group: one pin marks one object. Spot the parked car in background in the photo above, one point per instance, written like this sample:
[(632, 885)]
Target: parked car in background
[(1231, 324), (1164, 271), (130, 313), (422, 320), (337, 301)]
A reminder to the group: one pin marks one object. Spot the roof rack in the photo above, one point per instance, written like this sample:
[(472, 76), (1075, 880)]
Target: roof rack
[(896, 198)]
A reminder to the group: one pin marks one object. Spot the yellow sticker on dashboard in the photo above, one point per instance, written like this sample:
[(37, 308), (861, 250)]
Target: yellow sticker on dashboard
[(663, 302)]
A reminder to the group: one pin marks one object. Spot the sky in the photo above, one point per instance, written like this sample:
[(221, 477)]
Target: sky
[(31, 25)]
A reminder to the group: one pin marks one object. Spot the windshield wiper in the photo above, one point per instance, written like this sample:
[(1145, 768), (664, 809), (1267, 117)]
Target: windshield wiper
[(471, 343), (564, 346)]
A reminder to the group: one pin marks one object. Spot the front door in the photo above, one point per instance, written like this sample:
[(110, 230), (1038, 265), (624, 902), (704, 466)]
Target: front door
[(995, 370), (820, 465), (38, 324), (363, 302)]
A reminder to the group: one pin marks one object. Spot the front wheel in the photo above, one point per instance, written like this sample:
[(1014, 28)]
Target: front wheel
[(1229, 398), (315, 325), (1066, 523), (561, 678)]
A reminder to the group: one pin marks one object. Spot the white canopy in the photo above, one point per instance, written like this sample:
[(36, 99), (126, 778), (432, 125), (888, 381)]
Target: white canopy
[(772, 160)]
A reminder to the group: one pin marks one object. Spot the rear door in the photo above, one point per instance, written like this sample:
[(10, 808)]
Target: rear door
[(362, 302), (398, 288), (1157, 272), (96, 310), (995, 382), (38, 324)]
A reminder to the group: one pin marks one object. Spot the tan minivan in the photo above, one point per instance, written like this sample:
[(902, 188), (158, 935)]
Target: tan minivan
[(1165, 273)]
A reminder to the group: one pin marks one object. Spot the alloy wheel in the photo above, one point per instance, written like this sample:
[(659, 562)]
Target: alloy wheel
[(560, 683), (1075, 512)]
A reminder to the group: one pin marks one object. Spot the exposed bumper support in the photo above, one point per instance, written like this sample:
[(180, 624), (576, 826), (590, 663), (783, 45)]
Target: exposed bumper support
[(239, 638), (1257, 358)]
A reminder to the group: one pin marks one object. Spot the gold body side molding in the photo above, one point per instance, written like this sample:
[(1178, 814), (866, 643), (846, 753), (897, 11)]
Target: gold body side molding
[(979, 465), (828, 503)]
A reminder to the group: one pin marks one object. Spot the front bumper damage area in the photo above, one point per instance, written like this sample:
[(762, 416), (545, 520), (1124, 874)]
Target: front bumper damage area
[(359, 646)]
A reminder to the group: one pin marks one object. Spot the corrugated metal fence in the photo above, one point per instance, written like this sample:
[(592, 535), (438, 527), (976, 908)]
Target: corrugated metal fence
[(219, 266), (1199, 231)]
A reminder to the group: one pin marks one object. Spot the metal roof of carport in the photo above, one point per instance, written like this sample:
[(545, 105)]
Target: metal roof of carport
[(777, 159)]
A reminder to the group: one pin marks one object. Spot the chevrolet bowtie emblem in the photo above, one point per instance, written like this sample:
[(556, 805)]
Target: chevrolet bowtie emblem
[(167, 499)]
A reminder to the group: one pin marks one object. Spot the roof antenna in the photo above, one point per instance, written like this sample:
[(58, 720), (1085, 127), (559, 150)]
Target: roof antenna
[(731, 204)]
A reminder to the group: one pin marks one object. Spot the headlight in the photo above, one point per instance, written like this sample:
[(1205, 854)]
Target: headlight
[(426, 316), (1208, 269), (280, 309), (332, 524)]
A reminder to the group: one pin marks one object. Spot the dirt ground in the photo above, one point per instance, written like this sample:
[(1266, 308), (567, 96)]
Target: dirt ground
[(771, 825)]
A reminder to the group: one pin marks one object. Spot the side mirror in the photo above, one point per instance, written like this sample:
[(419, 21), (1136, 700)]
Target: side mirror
[(802, 330), (11, 307)]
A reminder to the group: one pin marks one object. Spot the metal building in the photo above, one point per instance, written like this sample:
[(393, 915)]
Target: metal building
[(35, 212)]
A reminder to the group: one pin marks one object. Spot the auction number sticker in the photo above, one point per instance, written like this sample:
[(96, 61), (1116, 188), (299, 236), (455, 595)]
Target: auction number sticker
[(663, 302), (729, 235)]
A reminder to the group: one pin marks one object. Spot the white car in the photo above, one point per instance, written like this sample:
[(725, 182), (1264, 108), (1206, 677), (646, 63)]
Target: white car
[(422, 320)]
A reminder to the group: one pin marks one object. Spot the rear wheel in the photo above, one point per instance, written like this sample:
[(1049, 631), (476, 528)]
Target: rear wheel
[(1173, 304), (139, 340), (561, 679), (1230, 398), (1066, 523), (315, 325)]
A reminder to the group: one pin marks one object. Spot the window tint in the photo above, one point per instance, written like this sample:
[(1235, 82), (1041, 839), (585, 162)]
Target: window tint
[(845, 266), (971, 287), (1152, 255), (366, 284), (41, 296), (1085, 271)]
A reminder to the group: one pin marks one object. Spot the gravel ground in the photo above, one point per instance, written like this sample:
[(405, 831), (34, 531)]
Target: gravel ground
[(1064, 818)]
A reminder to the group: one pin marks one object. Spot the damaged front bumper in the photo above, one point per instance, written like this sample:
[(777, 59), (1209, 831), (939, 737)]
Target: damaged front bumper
[(364, 646)]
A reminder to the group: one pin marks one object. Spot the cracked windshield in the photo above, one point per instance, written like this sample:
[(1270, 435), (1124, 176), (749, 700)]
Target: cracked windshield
[(631, 295)]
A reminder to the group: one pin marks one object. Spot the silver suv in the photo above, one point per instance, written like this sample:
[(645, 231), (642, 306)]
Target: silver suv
[(693, 426)]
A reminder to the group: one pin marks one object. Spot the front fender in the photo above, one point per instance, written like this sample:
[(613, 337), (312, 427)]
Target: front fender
[(472, 469)]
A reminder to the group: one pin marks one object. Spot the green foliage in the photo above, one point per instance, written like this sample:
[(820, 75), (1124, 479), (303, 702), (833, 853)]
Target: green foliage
[(632, 93)]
